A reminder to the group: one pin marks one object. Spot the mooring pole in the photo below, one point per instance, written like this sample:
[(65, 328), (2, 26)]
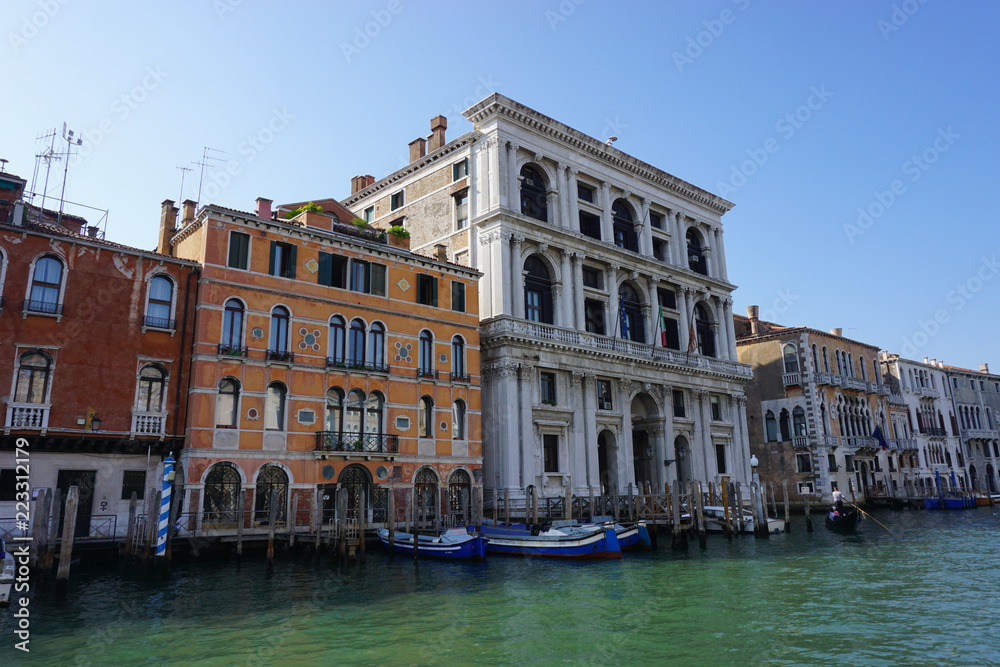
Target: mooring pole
[(784, 498), (69, 532)]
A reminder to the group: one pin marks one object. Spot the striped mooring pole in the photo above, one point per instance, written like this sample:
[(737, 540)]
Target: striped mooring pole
[(168, 478)]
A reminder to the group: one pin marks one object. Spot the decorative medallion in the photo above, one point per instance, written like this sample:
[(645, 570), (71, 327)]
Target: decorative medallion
[(403, 352), (310, 339), (257, 333), (253, 415), (381, 472), (444, 426), (443, 358), (328, 472), (403, 285), (312, 266)]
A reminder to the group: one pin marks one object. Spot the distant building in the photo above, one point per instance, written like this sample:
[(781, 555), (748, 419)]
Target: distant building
[(975, 400), (94, 340), (813, 404), (324, 358), (608, 351)]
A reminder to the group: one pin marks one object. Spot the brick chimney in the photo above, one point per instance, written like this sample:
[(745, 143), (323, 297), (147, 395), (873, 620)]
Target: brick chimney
[(753, 314), (438, 125), (441, 252), (838, 331), (984, 368), (359, 183), (418, 149), (187, 213), (263, 208), (168, 225)]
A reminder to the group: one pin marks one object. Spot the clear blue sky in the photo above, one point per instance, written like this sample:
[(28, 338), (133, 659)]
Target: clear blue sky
[(697, 89)]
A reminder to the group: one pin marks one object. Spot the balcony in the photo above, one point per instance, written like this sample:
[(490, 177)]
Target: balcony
[(896, 399), (370, 367), (930, 393), (280, 355), (149, 423), (853, 383), (508, 327), (861, 442), (823, 378), (883, 390), (831, 440), (800, 441), (791, 379), (429, 373), (933, 431), (232, 351), (42, 307), (985, 434), (158, 323), (357, 443), (460, 377), (27, 415), (907, 443)]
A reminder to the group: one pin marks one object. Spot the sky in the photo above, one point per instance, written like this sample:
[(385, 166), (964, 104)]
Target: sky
[(858, 141)]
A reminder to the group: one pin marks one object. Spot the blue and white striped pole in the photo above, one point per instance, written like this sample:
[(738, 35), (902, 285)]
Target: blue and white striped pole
[(161, 536)]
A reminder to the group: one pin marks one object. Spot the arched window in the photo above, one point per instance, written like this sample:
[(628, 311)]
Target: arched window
[(226, 403), (460, 497), (33, 370), (274, 407), (876, 371), (826, 361), (271, 479), (373, 414), (338, 333), (623, 226), (353, 413), (376, 346), (232, 327), (537, 291), (533, 203), (850, 364), (815, 359), (222, 495), (334, 410), (425, 417), (458, 420), (703, 327), (45, 284), (457, 358), (771, 427), (151, 379), (784, 425), (864, 368), (425, 358), (791, 358), (799, 421), (160, 304), (279, 331), (696, 255), (840, 366), (356, 343), (632, 324)]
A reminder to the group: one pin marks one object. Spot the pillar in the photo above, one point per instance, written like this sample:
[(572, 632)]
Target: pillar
[(626, 455), (607, 235), (570, 287), (741, 444), (492, 180), (684, 311), (680, 247), (579, 321), (516, 283), (572, 206), (513, 179), (502, 281), (721, 249), (563, 196), (590, 432), (703, 422), (670, 473), (578, 450), (647, 229), (612, 321), (530, 455)]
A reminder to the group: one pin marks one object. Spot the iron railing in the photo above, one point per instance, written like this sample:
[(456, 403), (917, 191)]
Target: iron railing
[(47, 307), (232, 350), (280, 355), (159, 322), (366, 443)]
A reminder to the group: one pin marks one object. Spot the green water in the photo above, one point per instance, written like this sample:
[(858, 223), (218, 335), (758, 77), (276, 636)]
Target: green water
[(925, 593)]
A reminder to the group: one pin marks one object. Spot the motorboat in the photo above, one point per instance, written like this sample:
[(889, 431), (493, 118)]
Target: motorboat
[(453, 543), (715, 521), (546, 541)]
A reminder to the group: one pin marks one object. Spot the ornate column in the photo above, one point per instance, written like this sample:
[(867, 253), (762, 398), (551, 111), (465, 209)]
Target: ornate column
[(513, 180), (654, 301), (607, 233), (516, 282), (577, 447), (704, 435), (727, 304), (741, 444), (569, 290), (572, 206), (590, 433), (487, 265), (579, 321), (531, 463), (505, 446), (612, 280), (680, 245), (647, 229), (649, 321), (720, 246), (563, 198), (709, 264), (657, 471), (492, 181), (552, 208), (626, 453), (684, 311)]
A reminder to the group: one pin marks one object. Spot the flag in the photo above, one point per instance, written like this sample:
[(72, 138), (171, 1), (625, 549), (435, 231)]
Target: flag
[(877, 434), (663, 329), (692, 336), (623, 318)]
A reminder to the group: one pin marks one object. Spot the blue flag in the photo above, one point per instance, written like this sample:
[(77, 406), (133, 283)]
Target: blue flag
[(623, 318), (877, 434)]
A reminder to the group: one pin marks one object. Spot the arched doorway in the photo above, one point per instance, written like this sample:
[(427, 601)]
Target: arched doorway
[(459, 498), (645, 419), (607, 463), (221, 504), (355, 479), (425, 490), (537, 291), (974, 477), (682, 458), (271, 478)]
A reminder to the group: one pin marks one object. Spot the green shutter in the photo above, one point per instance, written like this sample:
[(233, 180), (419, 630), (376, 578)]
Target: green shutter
[(325, 275), (274, 248), (378, 280), (434, 292), (292, 261), (368, 278), (234, 252)]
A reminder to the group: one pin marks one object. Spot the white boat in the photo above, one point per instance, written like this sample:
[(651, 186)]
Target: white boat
[(7, 569), (715, 519)]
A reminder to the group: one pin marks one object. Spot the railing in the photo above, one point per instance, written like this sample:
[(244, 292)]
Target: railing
[(831, 440), (459, 377), (372, 367), (800, 441), (47, 307), (907, 443), (101, 527), (159, 322), (822, 378), (979, 433), (883, 390), (853, 383), (149, 423), (933, 431), (427, 373), (835, 379), (279, 355), (27, 415), (232, 350), (896, 399), (364, 443), (861, 441), (789, 379), (930, 393)]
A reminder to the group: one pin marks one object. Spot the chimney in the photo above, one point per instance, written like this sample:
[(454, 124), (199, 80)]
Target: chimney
[(926, 360), (438, 125), (263, 208), (933, 361), (168, 225), (984, 368), (418, 149), (92, 231), (838, 331), (441, 252), (187, 214), (17, 217), (359, 183), (940, 364), (753, 312)]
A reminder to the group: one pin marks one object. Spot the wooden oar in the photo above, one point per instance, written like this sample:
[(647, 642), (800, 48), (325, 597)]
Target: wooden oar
[(870, 516)]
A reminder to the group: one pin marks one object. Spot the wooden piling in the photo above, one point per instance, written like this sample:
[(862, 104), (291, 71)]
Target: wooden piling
[(678, 529), (534, 505), (568, 503), (362, 523), (506, 507), (477, 506), (341, 526), (416, 533), (784, 498), (50, 542), (293, 519), (700, 502), (809, 521), (40, 527), (391, 516), (69, 533), (173, 516), (774, 499), (241, 499), (272, 515), (727, 527), (711, 493), (152, 529), (741, 525), (130, 532)]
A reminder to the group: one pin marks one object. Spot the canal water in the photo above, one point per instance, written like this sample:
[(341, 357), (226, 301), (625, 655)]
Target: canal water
[(924, 592)]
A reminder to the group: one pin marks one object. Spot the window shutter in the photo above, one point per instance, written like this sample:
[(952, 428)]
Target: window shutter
[(378, 280), (325, 276), (434, 292), (274, 248), (292, 262), (454, 171), (368, 278)]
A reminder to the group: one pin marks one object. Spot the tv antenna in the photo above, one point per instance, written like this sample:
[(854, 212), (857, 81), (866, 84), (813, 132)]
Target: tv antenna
[(205, 157), (71, 140), (183, 169), (47, 156)]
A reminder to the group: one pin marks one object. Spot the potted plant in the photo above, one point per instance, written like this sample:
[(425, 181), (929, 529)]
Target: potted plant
[(399, 237)]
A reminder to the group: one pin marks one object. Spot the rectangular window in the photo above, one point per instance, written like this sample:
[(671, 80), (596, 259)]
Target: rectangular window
[(593, 277), (548, 387), (370, 214), (803, 463), (378, 282), (671, 334), (716, 409), (590, 225), (604, 395), (585, 192), (594, 316), (679, 403), (720, 458), (457, 296), (427, 290), (849, 463), (8, 491), (667, 297), (133, 481), (831, 462), (360, 275), (397, 200), (282, 261), (239, 250), (660, 249), (550, 445), (332, 270), (655, 220), (462, 210), (460, 170)]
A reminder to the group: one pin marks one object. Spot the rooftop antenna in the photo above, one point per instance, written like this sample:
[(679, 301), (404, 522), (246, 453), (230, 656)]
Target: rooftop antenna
[(183, 169), (71, 140), (3, 166), (205, 157), (47, 155)]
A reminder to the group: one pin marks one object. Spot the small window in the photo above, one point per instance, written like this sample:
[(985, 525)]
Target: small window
[(590, 225), (427, 290), (849, 463), (585, 192), (593, 277), (133, 481), (397, 200), (378, 280), (667, 297), (360, 275), (226, 403), (45, 284), (274, 407), (720, 459), (369, 214), (458, 420), (462, 210), (831, 462), (660, 249), (670, 337), (716, 409), (604, 395), (332, 270), (803, 463), (550, 445), (771, 427), (239, 250), (458, 359), (457, 296), (533, 196), (679, 403), (151, 382), (282, 262), (655, 220), (33, 372), (594, 316), (425, 418), (548, 387), (460, 170)]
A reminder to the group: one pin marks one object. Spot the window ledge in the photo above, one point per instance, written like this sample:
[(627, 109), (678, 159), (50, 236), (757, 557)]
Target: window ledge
[(146, 328), (57, 316)]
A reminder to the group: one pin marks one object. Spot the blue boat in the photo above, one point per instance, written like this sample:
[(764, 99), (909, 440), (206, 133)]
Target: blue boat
[(630, 538), (453, 543), (950, 502), (548, 542)]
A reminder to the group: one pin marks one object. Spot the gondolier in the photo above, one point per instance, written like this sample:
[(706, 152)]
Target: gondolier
[(838, 500)]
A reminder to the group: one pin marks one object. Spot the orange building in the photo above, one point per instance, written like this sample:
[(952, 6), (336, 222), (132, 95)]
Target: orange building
[(324, 357)]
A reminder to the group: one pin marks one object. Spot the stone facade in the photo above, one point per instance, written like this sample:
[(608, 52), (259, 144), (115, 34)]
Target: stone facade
[(975, 402)]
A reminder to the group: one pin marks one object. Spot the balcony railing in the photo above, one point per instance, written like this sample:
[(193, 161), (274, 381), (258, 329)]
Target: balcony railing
[(159, 323), (427, 373), (861, 441), (47, 307), (831, 440), (979, 433), (930, 393), (789, 379), (883, 390), (27, 415), (149, 423), (362, 443), (459, 377), (822, 378), (933, 431), (896, 399), (280, 355), (800, 441), (232, 350), (853, 383), (372, 367)]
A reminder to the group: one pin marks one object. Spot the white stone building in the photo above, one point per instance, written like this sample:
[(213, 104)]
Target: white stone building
[(582, 247), (975, 399)]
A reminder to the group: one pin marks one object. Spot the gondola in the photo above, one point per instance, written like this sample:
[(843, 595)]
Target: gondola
[(846, 521)]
